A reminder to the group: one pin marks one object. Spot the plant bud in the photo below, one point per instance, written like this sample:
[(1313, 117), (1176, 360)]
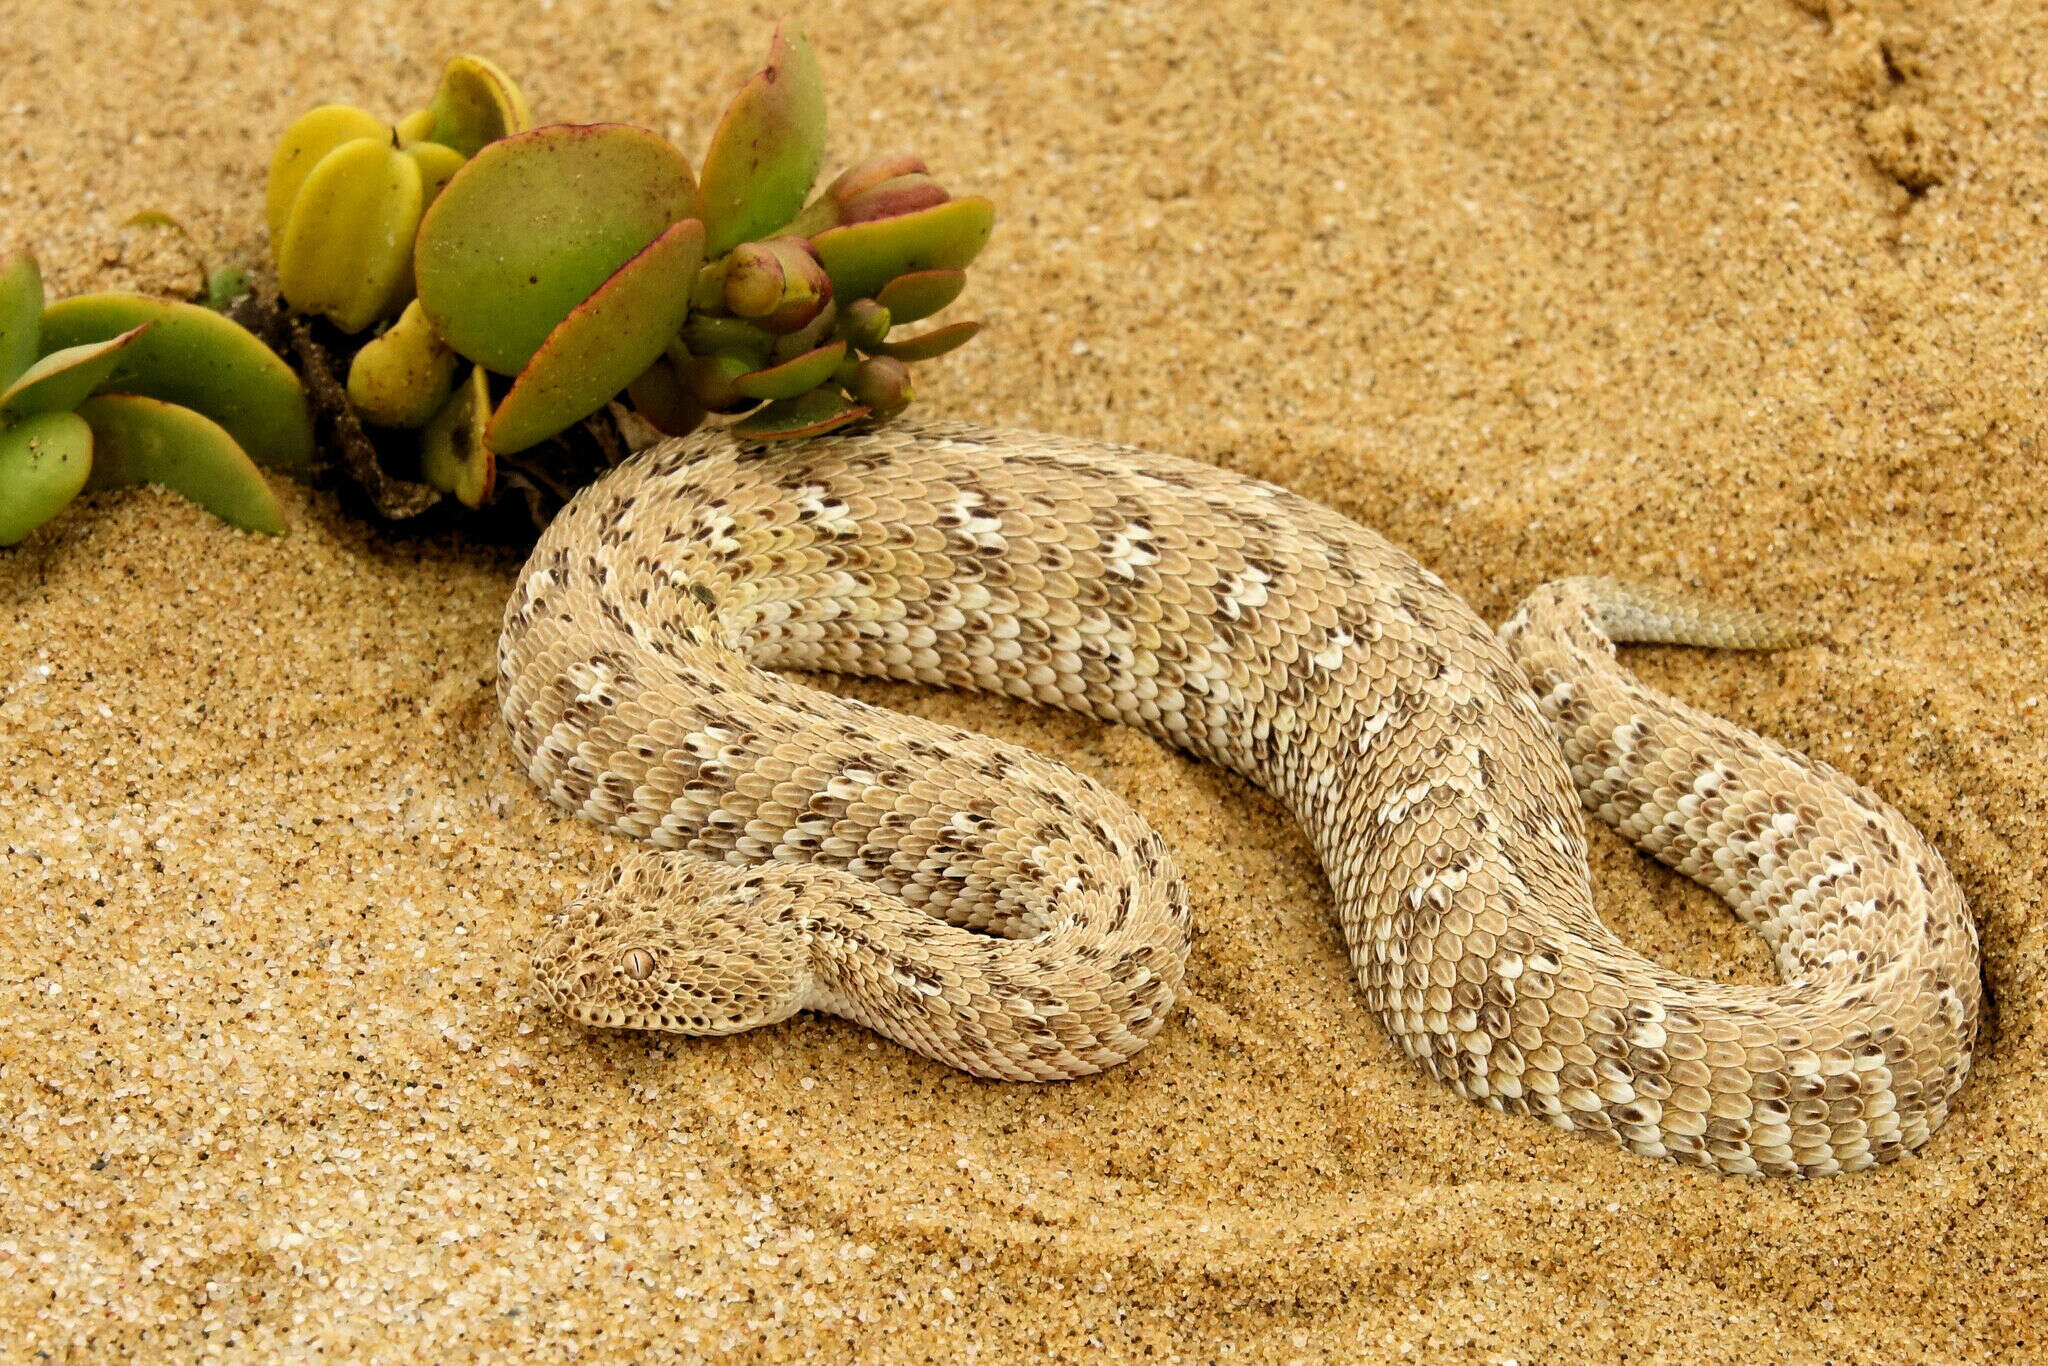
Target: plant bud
[(882, 386), (659, 397), (809, 337), (708, 293), (859, 179), (865, 323), (707, 334), (709, 380), (826, 211), (892, 199), (806, 288), (753, 280)]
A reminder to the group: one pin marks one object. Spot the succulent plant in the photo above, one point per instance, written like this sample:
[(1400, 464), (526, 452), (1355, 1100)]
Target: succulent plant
[(793, 310), (345, 200), (574, 265), (112, 389), (347, 191)]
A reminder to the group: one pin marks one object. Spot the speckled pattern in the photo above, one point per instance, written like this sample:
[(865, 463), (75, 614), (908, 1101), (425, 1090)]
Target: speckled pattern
[(997, 912)]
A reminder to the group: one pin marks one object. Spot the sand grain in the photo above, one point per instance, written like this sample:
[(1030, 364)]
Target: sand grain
[(1738, 296)]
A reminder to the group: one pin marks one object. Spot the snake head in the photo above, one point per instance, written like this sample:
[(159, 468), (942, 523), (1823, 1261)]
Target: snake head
[(677, 942)]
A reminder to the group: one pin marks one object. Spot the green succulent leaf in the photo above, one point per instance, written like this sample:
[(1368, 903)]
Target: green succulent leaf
[(710, 380), (197, 359), (305, 145), (454, 457), (534, 223), (809, 337), (709, 290), (609, 338), (477, 103), (660, 397), (43, 464), (347, 249), (707, 334), (403, 378), (138, 440), (438, 165), (767, 148), (793, 377), (62, 380), (861, 258), (810, 414), (227, 284), (916, 296), (21, 314), (928, 345)]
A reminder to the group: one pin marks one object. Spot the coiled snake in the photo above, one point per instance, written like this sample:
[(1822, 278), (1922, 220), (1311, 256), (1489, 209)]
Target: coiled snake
[(994, 910)]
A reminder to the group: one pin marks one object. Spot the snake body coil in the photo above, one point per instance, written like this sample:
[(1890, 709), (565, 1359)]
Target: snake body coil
[(992, 909)]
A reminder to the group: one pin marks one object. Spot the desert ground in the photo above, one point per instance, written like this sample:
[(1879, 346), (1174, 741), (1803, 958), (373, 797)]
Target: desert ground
[(1744, 298)]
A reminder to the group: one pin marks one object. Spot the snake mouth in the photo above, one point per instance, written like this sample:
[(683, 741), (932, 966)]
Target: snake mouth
[(599, 1018), (573, 996)]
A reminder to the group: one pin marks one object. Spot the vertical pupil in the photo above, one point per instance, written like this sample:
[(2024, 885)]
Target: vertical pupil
[(639, 963)]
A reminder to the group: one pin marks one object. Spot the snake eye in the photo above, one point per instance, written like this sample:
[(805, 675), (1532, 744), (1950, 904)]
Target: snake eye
[(638, 963)]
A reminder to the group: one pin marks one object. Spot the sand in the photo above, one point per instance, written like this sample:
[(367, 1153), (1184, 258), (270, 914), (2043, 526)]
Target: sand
[(1741, 297)]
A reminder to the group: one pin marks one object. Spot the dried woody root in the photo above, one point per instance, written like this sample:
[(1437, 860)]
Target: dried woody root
[(380, 466)]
